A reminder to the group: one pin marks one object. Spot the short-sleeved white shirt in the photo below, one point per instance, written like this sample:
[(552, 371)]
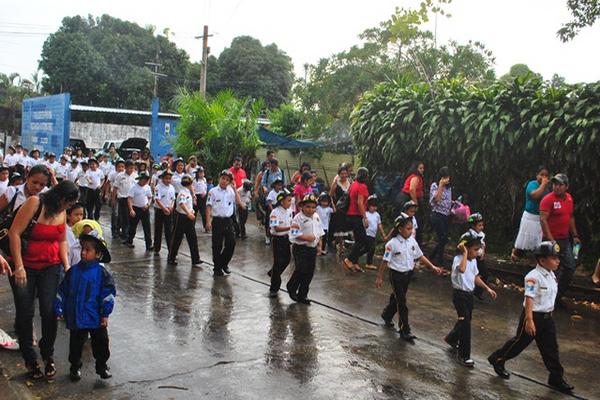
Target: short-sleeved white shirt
[(374, 221), (164, 193), (272, 197), (541, 286), (140, 195), (94, 178), (280, 218), (304, 225), (245, 196), (62, 171), (184, 197), (325, 215), (464, 280), (401, 253), (200, 187), (20, 192), (123, 183), (222, 201)]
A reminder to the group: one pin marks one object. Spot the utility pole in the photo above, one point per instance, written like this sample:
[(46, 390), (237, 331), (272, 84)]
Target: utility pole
[(156, 74), (204, 64)]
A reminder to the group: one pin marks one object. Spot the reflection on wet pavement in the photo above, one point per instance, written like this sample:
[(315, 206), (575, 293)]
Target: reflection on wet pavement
[(179, 333)]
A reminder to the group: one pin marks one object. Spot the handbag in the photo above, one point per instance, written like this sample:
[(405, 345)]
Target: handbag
[(6, 221)]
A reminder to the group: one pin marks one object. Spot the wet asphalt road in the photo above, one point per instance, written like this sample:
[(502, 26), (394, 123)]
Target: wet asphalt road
[(178, 333)]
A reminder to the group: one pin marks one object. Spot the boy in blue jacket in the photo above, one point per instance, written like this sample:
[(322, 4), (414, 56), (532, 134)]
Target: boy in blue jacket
[(86, 298)]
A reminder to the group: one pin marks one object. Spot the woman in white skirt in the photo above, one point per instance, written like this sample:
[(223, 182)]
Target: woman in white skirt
[(530, 229)]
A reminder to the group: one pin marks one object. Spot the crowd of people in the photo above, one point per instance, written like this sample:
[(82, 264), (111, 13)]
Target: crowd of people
[(55, 243)]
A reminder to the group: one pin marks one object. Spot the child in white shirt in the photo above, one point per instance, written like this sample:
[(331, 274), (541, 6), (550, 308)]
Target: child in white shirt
[(374, 225), (324, 211)]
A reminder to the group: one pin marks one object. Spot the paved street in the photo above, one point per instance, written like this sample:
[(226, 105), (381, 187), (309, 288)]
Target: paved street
[(178, 333)]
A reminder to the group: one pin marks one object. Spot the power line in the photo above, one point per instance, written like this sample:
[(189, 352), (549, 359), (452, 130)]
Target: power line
[(24, 33)]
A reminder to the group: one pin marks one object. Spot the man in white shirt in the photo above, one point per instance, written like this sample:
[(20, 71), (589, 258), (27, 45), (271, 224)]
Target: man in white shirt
[(219, 210), (138, 202), (123, 182)]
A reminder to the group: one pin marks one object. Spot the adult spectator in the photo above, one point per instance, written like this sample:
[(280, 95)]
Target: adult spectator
[(238, 172), (440, 200), (297, 176), (270, 175), (357, 218), (413, 185), (557, 221), (530, 228), (37, 270), (338, 225)]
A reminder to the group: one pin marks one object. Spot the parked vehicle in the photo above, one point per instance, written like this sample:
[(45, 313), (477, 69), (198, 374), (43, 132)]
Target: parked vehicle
[(130, 145), (116, 143), (78, 144)]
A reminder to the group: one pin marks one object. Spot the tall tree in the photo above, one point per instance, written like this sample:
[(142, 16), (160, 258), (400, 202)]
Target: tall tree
[(251, 69), (585, 13), (101, 61)]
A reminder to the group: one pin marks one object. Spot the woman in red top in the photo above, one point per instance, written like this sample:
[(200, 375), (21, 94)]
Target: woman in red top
[(413, 190), (37, 269), (357, 219)]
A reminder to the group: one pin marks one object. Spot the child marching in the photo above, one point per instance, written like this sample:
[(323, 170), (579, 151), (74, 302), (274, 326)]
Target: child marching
[(374, 225), (164, 201), (138, 202), (400, 255), (465, 277), (280, 225), (185, 224), (476, 226), (536, 321), (305, 234)]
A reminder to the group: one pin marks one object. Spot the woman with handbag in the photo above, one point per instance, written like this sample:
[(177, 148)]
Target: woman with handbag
[(38, 246), (338, 225)]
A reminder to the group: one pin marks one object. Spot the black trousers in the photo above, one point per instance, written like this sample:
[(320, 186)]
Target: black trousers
[(397, 302), (162, 223), (144, 216), (93, 204), (200, 208), (461, 333), (484, 274), (371, 244), (242, 218), (100, 347), (355, 222), (305, 259), (281, 259), (83, 196), (566, 269), (42, 284), (183, 226), (441, 225), (114, 220), (223, 242), (123, 213), (545, 338)]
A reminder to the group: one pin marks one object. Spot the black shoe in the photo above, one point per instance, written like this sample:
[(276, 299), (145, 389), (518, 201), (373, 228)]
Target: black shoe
[(218, 272), (272, 294), (244, 237), (292, 294), (226, 270), (130, 245), (270, 272), (150, 248), (467, 362), (156, 253), (171, 262), (387, 322), (498, 368), (197, 264), (104, 373), (560, 385), (304, 301), (75, 374), (454, 345), (407, 335)]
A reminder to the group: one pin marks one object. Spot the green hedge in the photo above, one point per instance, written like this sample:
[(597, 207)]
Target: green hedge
[(493, 138)]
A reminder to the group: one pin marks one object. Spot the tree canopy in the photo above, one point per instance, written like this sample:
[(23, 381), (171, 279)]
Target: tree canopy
[(251, 69), (585, 13)]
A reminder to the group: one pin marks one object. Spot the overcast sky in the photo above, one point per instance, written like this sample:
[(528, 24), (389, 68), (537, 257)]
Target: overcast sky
[(517, 31)]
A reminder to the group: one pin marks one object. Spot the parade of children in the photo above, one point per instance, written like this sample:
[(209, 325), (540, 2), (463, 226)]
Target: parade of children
[(298, 224)]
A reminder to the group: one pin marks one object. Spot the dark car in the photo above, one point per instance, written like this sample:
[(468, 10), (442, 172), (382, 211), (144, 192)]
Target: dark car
[(78, 144), (130, 145)]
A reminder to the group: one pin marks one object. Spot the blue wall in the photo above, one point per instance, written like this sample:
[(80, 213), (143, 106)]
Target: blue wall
[(45, 123), (162, 132)]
